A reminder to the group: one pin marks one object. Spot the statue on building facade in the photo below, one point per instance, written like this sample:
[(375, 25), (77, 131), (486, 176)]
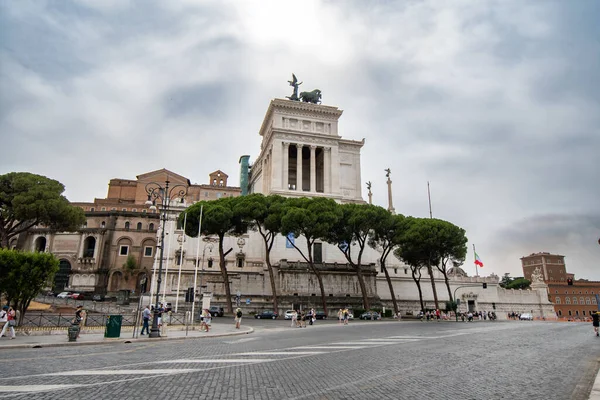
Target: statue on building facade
[(387, 172), (536, 275), (294, 83)]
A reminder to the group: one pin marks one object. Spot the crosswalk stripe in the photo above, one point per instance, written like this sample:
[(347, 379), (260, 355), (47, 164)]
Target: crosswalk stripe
[(34, 388), (217, 361), (363, 343), (122, 372), (285, 353), (395, 340), (330, 347)]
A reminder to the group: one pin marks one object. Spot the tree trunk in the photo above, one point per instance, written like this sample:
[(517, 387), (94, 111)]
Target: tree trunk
[(435, 296), (271, 275), (447, 285), (363, 288), (389, 281), (225, 275), (418, 282)]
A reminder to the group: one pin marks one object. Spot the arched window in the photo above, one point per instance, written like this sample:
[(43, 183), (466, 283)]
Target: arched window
[(210, 263), (126, 224), (567, 300), (103, 224), (559, 313), (570, 312), (40, 244), (557, 300), (239, 260), (151, 226), (89, 245), (593, 300), (575, 300), (588, 301), (139, 226), (581, 300)]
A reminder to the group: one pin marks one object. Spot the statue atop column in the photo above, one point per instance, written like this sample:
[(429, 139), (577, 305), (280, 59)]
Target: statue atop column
[(370, 194), (388, 172), (294, 83)]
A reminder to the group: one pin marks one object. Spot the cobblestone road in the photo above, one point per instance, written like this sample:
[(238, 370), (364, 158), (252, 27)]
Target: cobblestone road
[(364, 360)]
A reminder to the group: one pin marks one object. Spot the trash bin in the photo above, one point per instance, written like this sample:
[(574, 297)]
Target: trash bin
[(73, 332), (113, 326)]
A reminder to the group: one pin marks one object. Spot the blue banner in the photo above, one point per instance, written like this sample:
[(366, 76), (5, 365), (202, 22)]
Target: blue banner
[(290, 240)]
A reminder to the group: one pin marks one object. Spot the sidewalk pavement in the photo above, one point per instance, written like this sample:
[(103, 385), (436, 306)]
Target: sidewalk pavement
[(595, 393), (96, 336)]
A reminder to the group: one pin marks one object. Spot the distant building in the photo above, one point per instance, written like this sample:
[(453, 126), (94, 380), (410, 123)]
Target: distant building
[(572, 298), (552, 266)]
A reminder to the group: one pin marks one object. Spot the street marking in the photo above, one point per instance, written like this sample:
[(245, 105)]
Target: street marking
[(123, 372), (240, 340), (395, 340), (330, 347), (371, 344), (286, 353), (35, 388), (220, 360)]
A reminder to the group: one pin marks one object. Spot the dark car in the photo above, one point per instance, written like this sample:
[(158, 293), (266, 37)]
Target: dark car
[(266, 314), (320, 315), (216, 311), (98, 297), (370, 315)]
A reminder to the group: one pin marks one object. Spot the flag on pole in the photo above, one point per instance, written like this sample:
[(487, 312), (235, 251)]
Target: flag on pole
[(478, 261)]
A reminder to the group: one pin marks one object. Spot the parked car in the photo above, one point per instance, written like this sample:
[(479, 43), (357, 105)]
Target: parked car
[(64, 295), (526, 317), (320, 315), (98, 297), (370, 315), (269, 314), (216, 311), (76, 296), (288, 314)]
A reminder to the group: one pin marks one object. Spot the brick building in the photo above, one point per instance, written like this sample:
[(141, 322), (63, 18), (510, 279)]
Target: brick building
[(552, 266)]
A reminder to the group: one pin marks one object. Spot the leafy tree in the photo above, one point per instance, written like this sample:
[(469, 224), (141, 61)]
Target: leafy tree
[(313, 219), (263, 214), (129, 266), (27, 200), (385, 237), (519, 283), (23, 275), (351, 233), (217, 219), (449, 246), (410, 252), (506, 280)]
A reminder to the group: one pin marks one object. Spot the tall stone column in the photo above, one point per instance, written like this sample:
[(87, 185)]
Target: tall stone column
[(326, 169), (299, 167), (313, 169), (389, 183), (276, 165), (286, 153)]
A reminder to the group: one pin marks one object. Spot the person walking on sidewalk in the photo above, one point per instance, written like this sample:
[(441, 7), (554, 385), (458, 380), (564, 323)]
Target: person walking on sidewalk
[(146, 318), (7, 316), (596, 322), (238, 318)]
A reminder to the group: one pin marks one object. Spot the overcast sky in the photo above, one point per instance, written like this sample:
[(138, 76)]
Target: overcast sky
[(496, 104)]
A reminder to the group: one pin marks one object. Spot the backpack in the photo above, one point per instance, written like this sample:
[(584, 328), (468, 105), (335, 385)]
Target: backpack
[(239, 314)]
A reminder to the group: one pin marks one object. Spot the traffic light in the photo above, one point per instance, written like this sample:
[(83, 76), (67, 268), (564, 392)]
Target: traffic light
[(485, 285)]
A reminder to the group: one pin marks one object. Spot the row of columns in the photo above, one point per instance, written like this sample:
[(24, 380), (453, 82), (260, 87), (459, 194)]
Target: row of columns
[(313, 167)]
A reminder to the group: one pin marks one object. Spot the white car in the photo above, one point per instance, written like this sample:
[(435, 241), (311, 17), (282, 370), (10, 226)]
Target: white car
[(288, 314), (63, 295), (526, 317)]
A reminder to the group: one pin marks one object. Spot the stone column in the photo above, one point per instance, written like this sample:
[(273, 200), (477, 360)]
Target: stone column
[(313, 169), (286, 153), (391, 205), (299, 167), (326, 169), (276, 165)]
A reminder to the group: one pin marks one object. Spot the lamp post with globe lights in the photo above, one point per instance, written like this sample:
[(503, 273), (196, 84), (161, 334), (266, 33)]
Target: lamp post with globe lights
[(162, 195)]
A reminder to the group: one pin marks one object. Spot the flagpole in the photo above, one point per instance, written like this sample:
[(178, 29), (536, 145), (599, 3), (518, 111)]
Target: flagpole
[(168, 256), (429, 197), (197, 260), (180, 261), (475, 257)]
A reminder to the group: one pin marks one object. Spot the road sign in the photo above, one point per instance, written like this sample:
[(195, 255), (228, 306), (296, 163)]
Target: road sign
[(247, 301)]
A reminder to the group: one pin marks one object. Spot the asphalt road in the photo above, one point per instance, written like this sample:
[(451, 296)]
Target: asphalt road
[(364, 360)]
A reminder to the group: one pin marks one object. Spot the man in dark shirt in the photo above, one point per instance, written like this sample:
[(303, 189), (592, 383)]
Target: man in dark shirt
[(596, 322)]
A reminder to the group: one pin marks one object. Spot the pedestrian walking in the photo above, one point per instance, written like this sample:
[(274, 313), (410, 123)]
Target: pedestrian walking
[(346, 316), (146, 319), (595, 322), (294, 318), (7, 317), (238, 318), (207, 319)]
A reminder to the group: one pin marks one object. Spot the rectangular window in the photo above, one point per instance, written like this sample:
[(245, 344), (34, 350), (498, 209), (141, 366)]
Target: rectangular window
[(92, 209), (103, 208), (148, 251), (124, 250), (124, 209)]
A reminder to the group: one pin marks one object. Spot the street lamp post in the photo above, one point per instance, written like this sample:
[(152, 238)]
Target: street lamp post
[(164, 194)]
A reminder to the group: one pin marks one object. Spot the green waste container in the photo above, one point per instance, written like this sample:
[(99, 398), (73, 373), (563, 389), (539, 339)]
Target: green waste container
[(113, 326)]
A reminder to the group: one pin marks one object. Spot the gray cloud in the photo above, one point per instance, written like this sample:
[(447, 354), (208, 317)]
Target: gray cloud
[(494, 103)]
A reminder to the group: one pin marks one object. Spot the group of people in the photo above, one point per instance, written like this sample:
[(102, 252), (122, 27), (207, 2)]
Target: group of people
[(481, 315), (299, 318), (8, 319), (343, 316)]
